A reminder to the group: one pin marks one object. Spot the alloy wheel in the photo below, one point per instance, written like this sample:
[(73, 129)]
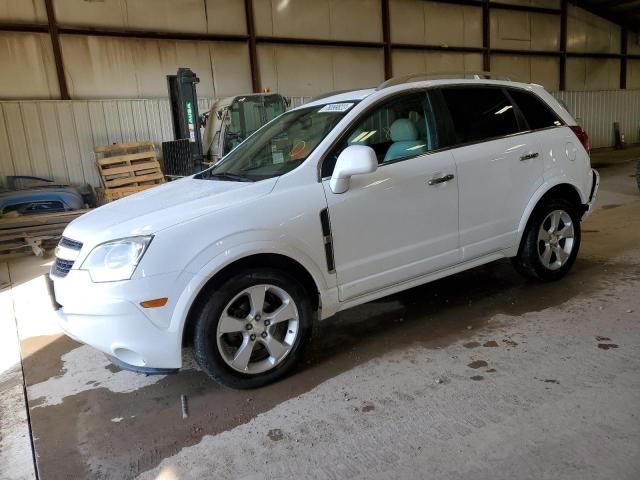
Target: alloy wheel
[(556, 239), (257, 329)]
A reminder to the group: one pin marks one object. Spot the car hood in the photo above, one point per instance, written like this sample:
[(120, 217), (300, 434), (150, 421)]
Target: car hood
[(161, 207)]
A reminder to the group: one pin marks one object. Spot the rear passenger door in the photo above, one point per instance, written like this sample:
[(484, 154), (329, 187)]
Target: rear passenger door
[(498, 166)]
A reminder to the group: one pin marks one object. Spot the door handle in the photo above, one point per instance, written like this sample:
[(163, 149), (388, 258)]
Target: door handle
[(443, 179), (528, 156)]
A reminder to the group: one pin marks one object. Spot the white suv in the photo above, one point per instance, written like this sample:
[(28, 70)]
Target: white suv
[(344, 200)]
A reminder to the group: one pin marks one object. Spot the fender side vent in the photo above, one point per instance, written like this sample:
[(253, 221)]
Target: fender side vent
[(327, 239)]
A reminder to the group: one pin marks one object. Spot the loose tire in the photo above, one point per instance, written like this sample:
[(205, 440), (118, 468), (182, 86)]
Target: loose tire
[(253, 328), (550, 242)]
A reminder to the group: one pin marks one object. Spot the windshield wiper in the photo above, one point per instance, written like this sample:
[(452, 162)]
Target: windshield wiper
[(231, 177)]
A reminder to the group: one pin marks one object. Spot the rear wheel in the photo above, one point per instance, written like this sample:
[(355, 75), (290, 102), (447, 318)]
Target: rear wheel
[(252, 329), (550, 242)]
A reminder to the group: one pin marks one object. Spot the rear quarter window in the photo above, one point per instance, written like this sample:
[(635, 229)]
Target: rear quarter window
[(480, 114), (536, 112)]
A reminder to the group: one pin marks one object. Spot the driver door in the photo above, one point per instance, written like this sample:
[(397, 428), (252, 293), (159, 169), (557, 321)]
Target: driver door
[(400, 222)]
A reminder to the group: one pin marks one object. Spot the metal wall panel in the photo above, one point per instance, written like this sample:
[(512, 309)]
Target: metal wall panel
[(17, 11), (107, 67), (587, 32), (524, 30), (596, 112), (633, 74), (304, 70), (326, 19), (432, 23), (192, 16), (27, 68), (57, 138), (414, 61)]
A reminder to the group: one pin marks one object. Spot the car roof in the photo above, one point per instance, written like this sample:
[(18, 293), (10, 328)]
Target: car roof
[(357, 95)]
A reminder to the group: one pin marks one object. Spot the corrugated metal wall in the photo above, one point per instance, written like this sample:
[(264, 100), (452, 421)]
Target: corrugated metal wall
[(596, 112), (56, 139)]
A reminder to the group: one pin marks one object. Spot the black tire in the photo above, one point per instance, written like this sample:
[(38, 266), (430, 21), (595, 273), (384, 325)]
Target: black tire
[(205, 345), (528, 261), (638, 174)]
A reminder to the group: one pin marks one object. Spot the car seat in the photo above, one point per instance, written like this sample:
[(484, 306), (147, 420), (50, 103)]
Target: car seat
[(404, 136)]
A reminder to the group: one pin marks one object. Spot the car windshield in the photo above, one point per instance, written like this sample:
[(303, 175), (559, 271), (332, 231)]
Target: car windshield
[(280, 146)]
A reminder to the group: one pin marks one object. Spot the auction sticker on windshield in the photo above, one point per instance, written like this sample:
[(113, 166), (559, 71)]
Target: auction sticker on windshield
[(336, 107)]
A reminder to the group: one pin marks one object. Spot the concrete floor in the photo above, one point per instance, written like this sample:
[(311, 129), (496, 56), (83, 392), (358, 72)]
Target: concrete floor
[(480, 375)]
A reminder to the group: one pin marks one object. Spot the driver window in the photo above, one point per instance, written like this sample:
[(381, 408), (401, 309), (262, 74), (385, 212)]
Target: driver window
[(399, 129)]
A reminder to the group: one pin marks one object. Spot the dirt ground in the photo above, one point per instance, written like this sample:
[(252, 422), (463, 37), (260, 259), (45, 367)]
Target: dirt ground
[(479, 375)]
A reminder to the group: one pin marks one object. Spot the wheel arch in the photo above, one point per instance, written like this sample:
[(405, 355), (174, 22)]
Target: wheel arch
[(563, 190), (257, 260)]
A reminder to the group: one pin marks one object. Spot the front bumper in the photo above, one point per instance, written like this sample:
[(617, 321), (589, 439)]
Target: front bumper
[(108, 317)]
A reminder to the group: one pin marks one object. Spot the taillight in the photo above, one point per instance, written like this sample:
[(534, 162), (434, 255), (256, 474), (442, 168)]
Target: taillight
[(582, 136)]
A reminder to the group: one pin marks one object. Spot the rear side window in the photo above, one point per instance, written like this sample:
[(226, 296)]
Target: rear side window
[(536, 112), (480, 113)]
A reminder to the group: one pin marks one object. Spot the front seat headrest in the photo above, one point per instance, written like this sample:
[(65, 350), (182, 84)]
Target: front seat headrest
[(403, 130)]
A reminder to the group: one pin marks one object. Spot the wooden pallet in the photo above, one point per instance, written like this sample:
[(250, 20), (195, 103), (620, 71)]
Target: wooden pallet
[(127, 168), (33, 233)]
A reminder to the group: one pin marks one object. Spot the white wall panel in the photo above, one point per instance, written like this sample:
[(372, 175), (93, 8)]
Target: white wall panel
[(593, 74), (633, 74), (524, 30), (633, 43), (190, 16), (106, 67), (19, 11), (531, 3), (589, 33), (309, 71), (27, 68), (226, 16), (433, 23), (541, 70), (411, 61), (326, 19), (596, 112), (57, 139)]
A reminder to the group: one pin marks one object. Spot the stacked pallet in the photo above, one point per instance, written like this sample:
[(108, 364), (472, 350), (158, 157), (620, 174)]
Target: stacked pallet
[(33, 233), (127, 168)]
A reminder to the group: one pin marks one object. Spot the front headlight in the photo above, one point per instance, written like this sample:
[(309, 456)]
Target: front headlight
[(116, 260)]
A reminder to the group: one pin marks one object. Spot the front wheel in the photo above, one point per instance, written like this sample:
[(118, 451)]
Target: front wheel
[(252, 329), (550, 242)]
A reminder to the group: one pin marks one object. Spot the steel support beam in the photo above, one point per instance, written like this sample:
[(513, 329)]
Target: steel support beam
[(563, 44), (151, 35), (624, 36), (486, 36), (253, 51), (386, 39), (57, 52)]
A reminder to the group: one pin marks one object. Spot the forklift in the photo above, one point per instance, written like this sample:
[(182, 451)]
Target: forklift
[(228, 123)]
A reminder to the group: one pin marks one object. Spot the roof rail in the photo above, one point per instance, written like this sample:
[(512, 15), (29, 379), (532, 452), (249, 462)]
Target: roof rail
[(417, 77)]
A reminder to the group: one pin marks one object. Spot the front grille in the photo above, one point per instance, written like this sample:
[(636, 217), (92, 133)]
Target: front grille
[(72, 244), (61, 267)]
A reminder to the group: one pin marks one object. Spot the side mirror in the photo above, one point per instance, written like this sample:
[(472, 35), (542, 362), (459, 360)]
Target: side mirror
[(354, 160)]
